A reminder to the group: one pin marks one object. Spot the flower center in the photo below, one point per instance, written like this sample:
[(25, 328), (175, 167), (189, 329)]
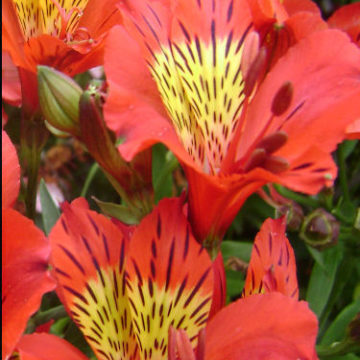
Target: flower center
[(202, 87), (58, 18)]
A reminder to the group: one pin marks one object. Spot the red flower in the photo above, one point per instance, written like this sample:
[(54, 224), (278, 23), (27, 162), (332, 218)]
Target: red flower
[(188, 82), (125, 294), (68, 37), (25, 277)]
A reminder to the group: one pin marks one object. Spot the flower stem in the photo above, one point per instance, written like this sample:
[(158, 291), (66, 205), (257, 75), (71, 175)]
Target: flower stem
[(90, 176), (33, 138), (342, 172)]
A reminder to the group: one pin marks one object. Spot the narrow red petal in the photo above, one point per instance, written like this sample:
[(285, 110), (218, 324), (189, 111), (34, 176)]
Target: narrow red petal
[(271, 326), (346, 18), (88, 255), (165, 288), (25, 277), (47, 347), (10, 172), (272, 265)]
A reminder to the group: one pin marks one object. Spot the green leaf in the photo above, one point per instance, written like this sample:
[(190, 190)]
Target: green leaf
[(234, 284), (49, 211), (337, 329), (317, 255), (322, 280), (241, 250), (163, 164), (121, 212)]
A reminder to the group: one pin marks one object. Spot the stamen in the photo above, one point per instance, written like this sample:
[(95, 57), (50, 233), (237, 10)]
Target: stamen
[(273, 142), (282, 99), (65, 18)]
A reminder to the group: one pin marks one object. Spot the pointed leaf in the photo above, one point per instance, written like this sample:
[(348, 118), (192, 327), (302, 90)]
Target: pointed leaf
[(50, 212)]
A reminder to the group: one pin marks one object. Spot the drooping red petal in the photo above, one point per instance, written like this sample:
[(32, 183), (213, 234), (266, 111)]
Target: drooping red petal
[(47, 347), (170, 280), (272, 265), (25, 277), (271, 326), (88, 255), (347, 18), (10, 172)]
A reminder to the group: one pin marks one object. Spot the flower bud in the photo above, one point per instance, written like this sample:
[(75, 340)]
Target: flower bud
[(320, 229), (59, 97), (294, 215)]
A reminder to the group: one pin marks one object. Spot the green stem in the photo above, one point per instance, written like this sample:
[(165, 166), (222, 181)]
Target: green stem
[(33, 139), (342, 173), (43, 317), (90, 176), (341, 348), (301, 199)]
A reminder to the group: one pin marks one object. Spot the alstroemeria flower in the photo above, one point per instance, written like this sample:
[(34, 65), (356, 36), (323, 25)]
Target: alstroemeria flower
[(126, 288), (25, 277), (67, 35), (187, 80), (125, 293)]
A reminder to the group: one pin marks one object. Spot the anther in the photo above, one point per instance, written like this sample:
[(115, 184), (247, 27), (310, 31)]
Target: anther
[(282, 99), (273, 141)]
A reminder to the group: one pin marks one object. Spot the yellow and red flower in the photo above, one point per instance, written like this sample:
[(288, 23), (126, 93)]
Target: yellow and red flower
[(189, 80), (67, 35), (127, 288)]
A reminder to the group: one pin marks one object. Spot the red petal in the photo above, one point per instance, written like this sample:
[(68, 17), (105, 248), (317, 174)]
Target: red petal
[(353, 130), (88, 256), (318, 110), (219, 294), (271, 326), (47, 347), (347, 18), (10, 172), (98, 18), (25, 276), (134, 109), (164, 286), (272, 265), (11, 89)]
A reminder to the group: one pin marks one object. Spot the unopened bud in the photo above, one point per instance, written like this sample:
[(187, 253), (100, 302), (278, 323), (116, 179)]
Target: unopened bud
[(294, 215), (59, 97), (320, 229)]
